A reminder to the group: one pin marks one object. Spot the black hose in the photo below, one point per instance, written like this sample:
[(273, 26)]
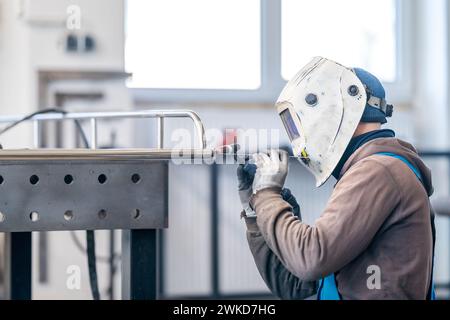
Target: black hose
[(28, 117), (90, 237), (90, 241)]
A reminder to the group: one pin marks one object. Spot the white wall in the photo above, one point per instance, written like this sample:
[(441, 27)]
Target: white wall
[(101, 18), (15, 66), (430, 99), (31, 39)]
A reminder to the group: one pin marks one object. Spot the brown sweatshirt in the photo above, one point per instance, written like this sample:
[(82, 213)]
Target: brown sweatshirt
[(378, 215)]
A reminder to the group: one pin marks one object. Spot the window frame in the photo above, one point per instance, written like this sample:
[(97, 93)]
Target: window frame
[(272, 81)]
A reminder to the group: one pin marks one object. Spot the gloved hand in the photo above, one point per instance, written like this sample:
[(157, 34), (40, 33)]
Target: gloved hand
[(289, 198), (271, 170), (246, 174)]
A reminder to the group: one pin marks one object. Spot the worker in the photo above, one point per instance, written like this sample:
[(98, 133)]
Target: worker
[(375, 238)]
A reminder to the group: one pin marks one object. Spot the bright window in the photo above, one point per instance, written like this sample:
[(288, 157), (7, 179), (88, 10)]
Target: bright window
[(195, 44), (356, 33)]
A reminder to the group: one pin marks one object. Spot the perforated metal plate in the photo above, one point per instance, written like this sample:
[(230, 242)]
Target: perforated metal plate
[(83, 195)]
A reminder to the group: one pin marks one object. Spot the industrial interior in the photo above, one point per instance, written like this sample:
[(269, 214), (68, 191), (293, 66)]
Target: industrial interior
[(111, 79)]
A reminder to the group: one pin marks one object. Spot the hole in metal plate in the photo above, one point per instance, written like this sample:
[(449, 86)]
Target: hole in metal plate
[(102, 214), (34, 179), (102, 178), (136, 178), (68, 215), (136, 214), (68, 179), (34, 216)]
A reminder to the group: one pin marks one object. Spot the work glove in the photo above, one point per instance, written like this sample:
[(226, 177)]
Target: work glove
[(246, 174), (289, 198), (271, 170)]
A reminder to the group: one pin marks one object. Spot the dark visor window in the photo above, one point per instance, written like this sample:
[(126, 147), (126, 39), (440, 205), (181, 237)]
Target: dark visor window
[(289, 124)]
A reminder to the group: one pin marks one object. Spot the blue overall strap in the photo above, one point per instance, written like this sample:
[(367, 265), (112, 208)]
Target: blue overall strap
[(409, 164), (327, 286), (328, 289)]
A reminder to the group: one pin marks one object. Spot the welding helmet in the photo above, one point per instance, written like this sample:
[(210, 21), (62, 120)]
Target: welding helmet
[(321, 108)]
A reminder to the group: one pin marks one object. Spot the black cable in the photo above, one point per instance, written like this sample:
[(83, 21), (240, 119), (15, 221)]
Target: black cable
[(28, 117), (82, 133), (90, 241), (112, 264), (102, 259), (44, 111), (90, 236)]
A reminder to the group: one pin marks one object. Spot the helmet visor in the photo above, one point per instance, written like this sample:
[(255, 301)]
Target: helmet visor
[(289, 125)]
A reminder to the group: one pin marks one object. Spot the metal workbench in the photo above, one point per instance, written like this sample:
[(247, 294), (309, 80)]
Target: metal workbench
[(89, 189)]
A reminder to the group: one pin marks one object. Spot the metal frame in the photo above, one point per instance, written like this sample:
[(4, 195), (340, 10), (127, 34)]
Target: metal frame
[(272, 81), (140, 264)]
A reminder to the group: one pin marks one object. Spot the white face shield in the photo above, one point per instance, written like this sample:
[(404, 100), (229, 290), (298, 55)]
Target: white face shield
[(320, 109)]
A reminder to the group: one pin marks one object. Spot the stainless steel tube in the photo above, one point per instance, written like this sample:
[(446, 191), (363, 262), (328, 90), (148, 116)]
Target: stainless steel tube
[(198, 126)]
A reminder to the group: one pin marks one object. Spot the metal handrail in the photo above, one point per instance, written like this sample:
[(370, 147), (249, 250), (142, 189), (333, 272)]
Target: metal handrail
[(160, 115)]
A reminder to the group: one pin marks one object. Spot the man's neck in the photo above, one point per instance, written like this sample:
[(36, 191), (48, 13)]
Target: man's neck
[(364, 127)]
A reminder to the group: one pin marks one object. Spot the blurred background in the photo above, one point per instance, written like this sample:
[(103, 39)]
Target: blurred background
[(227, 60)]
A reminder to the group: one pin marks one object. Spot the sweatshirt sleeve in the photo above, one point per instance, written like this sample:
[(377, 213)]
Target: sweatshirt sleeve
[(281, 282), (358, 206)]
